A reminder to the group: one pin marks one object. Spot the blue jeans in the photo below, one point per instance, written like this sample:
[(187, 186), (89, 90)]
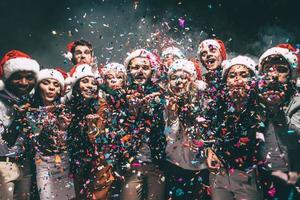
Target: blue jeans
[(143, 182), (52, 177)]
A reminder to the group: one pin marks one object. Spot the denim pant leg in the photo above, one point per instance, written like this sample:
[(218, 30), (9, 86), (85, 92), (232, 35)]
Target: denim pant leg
[(144, 182), (6, 189), (53, 179), (219, 184), (23, 184), (235, 185)]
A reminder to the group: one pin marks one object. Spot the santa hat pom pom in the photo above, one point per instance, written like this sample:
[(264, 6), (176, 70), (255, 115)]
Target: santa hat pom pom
[(1, 85), (68, 55)]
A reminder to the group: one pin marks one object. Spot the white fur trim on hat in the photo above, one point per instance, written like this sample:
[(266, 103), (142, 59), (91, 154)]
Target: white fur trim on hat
[(208, 42), (20, 64), (51, 73), (239, 60), (114, 67), (81, 71), (172, 51), (184, 65), (289, 55), (143, 53), (68, 55)]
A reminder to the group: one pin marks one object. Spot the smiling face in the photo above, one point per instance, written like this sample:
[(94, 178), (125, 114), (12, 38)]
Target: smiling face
[(88, 87), (210, 57), (275, 73), (237, 81), (179, 82), (21, 83), (82, 54), (140, 70), (115, 79), (49, 89)]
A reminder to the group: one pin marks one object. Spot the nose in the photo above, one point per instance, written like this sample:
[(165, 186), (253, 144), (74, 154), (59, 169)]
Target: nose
[(113, 80), (51, 87), (83, 55), (273, 74), (89, 85), (23, 81)]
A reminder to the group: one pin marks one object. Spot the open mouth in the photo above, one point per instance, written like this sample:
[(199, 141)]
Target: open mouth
[(210, 61), (89, 92), (23, 87)]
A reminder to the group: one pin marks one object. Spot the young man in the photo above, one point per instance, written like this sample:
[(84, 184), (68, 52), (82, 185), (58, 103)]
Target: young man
[(212, 53), (144, 177), (234, 155), (18, 73), (277, 67), (80, 51)]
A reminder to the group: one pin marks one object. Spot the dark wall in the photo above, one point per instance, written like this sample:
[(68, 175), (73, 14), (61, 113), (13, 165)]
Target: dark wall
[(43, 28)]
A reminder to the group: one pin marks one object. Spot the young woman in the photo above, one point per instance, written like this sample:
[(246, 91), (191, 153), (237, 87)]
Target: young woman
[(239, 130), (83, 102), (47, 124), (113, 124), (186, 171)]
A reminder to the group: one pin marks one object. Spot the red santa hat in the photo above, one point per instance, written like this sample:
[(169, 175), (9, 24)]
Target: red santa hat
[(51, 73), (81, 70), (239, 60), (14, 61), (142, 53), (288, 52), (184, 65), (68, 55), (114, 67), (214, 42), (172, 51)]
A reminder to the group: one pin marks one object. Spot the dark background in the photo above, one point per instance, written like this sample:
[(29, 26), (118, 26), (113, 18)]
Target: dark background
[(43, 28)]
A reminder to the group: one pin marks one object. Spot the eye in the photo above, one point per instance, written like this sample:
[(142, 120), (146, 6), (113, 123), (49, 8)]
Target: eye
[(77, 52), (94, 82), (56, 84), (282, 69), (173, 77), (109, 77), (84, 80), (134, 67), (30, 77), (245, 74), (146, 67), (45, 82), (87, 51), (119, 77), (231, 75), (204, 53)]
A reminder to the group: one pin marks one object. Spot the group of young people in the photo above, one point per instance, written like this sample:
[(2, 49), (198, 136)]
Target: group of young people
[(153, 127)]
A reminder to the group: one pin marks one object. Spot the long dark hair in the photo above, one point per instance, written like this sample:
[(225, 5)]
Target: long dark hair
[(79, 106), (37, 99)]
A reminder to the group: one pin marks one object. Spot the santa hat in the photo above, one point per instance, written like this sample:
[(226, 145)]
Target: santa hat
[(239, 60), (114, 67), (81, 70), (288, 52), (214, 42), (142, 53), (51, 73), (15, 61), (184, 65), (172, 51), (68, 55)]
